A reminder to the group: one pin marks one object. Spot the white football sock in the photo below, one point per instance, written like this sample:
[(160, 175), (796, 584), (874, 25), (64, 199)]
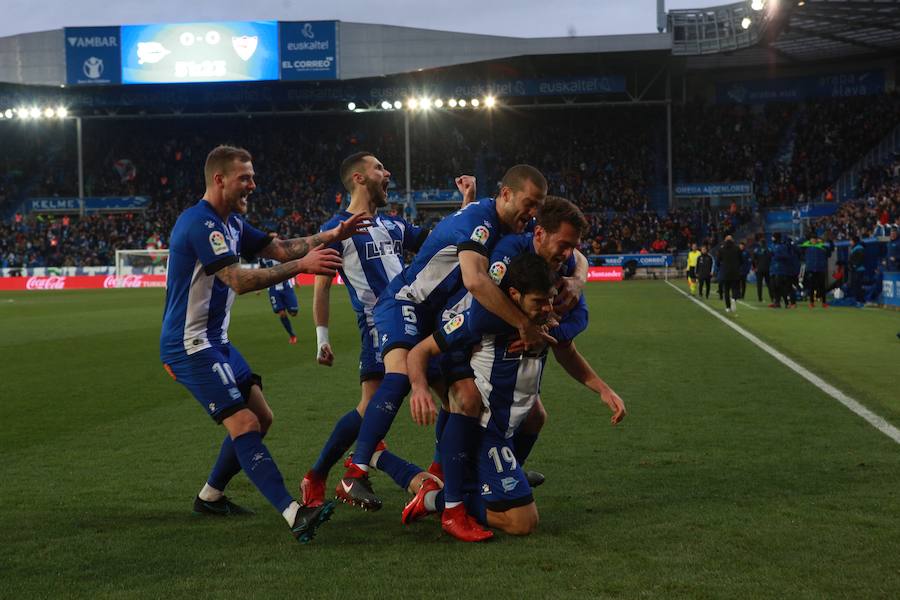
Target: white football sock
[(290, 513), (210, 494), (430, 498)]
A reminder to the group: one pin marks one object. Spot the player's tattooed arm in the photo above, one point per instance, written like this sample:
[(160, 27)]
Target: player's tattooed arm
[(292, 249), (319, 261), (568, 356), (249, 280)]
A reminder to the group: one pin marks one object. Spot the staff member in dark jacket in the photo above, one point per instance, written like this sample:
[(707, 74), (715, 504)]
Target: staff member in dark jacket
[(703, 270), (893, 251), (816, 259), (857, 268), (729, 259), (762, 260), (746, 264)]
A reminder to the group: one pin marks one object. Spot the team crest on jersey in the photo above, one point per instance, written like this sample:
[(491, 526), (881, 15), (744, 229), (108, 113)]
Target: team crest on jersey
[(453, 324), (497, 271), (389, 225), (217, 243), (481, 234)]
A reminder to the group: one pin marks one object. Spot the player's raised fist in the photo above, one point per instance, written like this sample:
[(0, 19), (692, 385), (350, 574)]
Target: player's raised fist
[(466, 186)]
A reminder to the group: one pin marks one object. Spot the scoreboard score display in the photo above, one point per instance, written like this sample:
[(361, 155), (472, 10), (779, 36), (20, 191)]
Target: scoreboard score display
[(200, 52)]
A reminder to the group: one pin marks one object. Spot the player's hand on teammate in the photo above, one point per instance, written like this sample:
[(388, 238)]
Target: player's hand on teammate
[(615, 404), (325, 356), (569, 291), (422, 406), (532, 335), (466, 186), (358, 223), (320, 261)]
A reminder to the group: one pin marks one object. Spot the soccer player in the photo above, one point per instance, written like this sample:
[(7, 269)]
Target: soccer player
[(455, 256), (556, 236), (283, 299), (204, 275), (509, 382), (370, 261)]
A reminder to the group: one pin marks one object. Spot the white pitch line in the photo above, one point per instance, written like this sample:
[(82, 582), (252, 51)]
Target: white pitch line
[(874, 420), (747, 305)]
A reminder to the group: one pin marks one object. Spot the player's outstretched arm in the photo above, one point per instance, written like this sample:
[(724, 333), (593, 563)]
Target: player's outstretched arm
[(474, 267), (285, 250), (420, 403), (581, 371), (320, 261), (321, 306)]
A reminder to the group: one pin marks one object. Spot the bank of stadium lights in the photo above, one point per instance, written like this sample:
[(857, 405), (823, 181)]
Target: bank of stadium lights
[(34, 113)]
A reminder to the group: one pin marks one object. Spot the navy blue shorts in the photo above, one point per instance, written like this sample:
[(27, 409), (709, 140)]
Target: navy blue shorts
[(284, 299), (371, 365), (401, 324), (218, 377), (503, 482)]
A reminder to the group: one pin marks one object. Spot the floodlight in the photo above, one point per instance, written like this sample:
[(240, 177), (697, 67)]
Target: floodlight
[(412, 104), (756, 5), (385, 105), (475, 102), (62, 112), (351, 106), (745, 22), (398, 105), (489, 101), (452, 102), (462, 103), (438, 103)]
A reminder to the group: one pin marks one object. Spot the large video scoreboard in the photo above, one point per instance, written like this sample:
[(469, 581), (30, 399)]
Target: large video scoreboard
[(202, 52)]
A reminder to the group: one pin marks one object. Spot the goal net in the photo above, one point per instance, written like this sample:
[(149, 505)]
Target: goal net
[(141, 262)]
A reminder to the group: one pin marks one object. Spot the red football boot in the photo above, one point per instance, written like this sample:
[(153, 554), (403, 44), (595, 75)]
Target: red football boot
[(415, 508), (312, 489), (457, 522), (292, 340), (436, 469), (380, 447)]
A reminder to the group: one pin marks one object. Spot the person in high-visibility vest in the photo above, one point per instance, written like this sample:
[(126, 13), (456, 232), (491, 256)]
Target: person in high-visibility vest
[(692, 268)]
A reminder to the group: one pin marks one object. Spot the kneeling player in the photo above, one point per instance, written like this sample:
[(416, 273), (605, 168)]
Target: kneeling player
[(283, 300), (509, 382)]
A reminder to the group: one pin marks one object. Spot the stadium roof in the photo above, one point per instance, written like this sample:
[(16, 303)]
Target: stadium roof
[(786, 32)]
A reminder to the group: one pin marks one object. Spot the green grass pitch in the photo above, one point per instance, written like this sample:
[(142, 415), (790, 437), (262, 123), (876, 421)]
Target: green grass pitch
[(730, 477)]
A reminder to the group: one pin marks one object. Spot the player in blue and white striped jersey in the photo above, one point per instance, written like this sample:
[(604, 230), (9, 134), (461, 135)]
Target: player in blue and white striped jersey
[(370, 261), (283, 299), (556, 236), (204, 275), (509, 383), (454, 256)]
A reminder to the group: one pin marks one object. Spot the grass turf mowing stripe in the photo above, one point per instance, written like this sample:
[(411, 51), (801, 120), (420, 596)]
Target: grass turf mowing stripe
[(874, 420)]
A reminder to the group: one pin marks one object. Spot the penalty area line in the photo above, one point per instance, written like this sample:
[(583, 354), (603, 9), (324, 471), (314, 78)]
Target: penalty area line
[(871, 418)]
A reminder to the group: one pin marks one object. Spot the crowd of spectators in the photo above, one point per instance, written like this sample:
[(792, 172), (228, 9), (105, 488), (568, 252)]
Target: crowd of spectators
[(873, 213), (606, 159)]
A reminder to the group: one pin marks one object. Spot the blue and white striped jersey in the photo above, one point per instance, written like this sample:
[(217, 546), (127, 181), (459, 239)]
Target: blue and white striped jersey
[(509, 382), (434, 275), (509, 246), (373, 258), (198, 303), (268, 263)]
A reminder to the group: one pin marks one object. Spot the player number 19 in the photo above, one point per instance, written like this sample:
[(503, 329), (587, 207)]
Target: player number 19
[(507, 455)]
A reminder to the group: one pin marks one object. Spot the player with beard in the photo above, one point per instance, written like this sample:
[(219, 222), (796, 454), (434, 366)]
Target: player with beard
[(455, 256), (204, 275), (370, 261)]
